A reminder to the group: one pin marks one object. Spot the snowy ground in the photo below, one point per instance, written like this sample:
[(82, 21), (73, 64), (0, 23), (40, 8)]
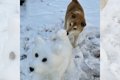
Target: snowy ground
[(110, 41), (9, 40), (45, 18)]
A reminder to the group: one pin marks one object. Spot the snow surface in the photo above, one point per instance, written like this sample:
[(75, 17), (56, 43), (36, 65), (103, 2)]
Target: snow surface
[(110, 41), (9, 40), (44, 18)]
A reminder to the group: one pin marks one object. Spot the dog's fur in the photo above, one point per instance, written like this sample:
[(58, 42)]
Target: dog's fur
[(74, 21), (58, 53)]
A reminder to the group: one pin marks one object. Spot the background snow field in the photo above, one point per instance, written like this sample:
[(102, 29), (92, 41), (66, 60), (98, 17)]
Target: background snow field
[(110, 41), (44, 18), (9, 40)]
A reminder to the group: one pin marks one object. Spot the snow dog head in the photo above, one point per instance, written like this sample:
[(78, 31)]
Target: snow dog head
[(50, 59)]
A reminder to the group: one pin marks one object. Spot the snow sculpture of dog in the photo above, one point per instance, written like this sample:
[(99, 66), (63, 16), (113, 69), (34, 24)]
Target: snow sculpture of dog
[(51, 59)]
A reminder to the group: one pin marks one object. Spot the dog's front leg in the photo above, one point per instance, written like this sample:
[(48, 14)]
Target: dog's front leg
[(75, 40)]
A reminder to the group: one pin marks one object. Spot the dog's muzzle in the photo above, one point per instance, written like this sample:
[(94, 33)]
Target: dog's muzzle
[(31, 69)]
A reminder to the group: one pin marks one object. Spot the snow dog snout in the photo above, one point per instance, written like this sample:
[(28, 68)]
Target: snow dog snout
[(31, 69)]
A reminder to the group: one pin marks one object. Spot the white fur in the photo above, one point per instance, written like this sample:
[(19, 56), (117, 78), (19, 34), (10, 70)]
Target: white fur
[(58, 52), (73, 35)]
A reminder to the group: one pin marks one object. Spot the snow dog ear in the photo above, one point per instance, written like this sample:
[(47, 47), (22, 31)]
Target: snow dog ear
[(39, 41), (62, 34)]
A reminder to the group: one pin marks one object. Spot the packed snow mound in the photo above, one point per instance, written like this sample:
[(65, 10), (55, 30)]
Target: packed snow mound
[(51, 59), (86, 56), (89, 48)]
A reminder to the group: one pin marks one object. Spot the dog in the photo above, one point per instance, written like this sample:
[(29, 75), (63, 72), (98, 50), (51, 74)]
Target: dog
[(50, 59), (74, 21)]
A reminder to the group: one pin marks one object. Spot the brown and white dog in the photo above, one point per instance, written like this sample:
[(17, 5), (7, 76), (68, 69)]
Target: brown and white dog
[(74, 21)]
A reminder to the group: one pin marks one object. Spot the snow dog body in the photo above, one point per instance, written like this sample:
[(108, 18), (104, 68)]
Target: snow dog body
[(51, 59), (74, 21)]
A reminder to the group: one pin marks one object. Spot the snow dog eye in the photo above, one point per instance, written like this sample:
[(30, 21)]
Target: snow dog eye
[(44, 60), (36, 55)]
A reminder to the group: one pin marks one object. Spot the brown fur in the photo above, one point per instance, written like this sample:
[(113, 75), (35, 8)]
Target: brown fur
[(74, 20)]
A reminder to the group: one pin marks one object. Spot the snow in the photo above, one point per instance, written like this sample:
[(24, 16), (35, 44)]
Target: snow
[(58, 55), (110, 41), (44, 18), (9, 40)]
